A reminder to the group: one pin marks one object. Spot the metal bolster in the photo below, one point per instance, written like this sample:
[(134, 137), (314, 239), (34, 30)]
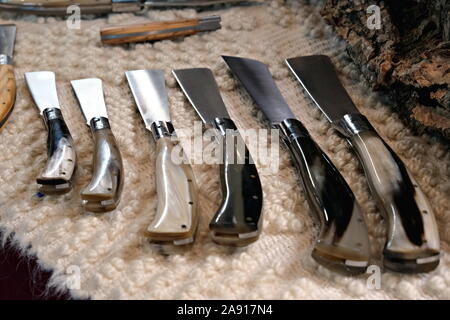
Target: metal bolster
[(352, 124), (52, 114), (161, 129), (4, 59), (99, 123), (126, 5), (292, 129), (209, 23)]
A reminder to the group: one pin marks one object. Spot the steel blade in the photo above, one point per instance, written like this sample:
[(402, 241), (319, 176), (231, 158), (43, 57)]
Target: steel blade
[(258, 81), (7, 39), (89, 93), (202, 91), (149, 91), (320, 80), (42, 86)]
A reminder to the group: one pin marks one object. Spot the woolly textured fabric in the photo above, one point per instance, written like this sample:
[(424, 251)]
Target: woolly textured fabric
[(111, 250)]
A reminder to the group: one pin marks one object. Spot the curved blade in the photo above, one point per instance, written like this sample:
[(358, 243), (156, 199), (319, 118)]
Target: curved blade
[(202, 91), (320, 80), (149, 91), (258, 81)]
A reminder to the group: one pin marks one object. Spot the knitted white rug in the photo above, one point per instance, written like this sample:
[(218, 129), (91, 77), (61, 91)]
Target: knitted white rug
[(110, 251)]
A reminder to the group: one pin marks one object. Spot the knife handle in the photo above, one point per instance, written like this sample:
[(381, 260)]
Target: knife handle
[(7, 92), (103, 192), (343, 242), (176, 217), (412, 245), (149, 31), (56, 177), (238, 221)]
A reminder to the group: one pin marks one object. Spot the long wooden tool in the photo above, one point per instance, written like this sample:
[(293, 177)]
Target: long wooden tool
[(160, 30), (7, 78)]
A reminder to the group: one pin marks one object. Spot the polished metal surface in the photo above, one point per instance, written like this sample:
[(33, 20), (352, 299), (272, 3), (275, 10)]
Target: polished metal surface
[(7, 39), (149, 91), (201, 89), (258, 81), (186, 3), (352, 124), (42, 86), (320, 80), (209, 23), (89, 93)]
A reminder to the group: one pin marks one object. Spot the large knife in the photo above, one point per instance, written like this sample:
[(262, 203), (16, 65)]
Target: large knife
[(238, 220), (413, 241), (104, 191), (176, 214), (343, 242), (60, 7), (7, 78), (58, 171)]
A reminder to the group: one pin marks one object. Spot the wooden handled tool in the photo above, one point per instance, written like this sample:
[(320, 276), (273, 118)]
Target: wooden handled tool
[(152, 31), (7, 78)]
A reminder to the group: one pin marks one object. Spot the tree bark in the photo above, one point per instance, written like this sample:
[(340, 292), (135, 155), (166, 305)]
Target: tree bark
[(409, 57)]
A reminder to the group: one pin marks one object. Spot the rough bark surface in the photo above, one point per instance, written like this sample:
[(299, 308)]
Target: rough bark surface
[(409, 57)]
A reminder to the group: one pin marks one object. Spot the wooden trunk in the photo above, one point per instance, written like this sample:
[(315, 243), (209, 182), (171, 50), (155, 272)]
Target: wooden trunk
[(409, 57)]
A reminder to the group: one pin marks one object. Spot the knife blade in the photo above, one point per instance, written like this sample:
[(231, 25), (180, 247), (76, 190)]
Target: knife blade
[(7, 77), (60, 7), (158, 30), (176, 217), (342, 243), (104, 191), (238, 220), (412, 243), (57, 174)]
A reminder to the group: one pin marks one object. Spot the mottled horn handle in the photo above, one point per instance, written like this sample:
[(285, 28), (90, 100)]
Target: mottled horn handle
[(413, 240), (343, 242), (238, 221), (58, 172), (7, 92), (176, 217), (104, 191)]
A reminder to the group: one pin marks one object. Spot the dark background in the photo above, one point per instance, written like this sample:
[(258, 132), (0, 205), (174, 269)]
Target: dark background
[(22, 279)]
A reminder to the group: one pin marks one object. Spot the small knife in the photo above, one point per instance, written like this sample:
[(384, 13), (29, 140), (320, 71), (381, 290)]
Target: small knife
[(238, 221), (58, 171), (59, 7), (158, 30), (176, 217), (103, 192), (7, 78), (343, 242), (413, 241)]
